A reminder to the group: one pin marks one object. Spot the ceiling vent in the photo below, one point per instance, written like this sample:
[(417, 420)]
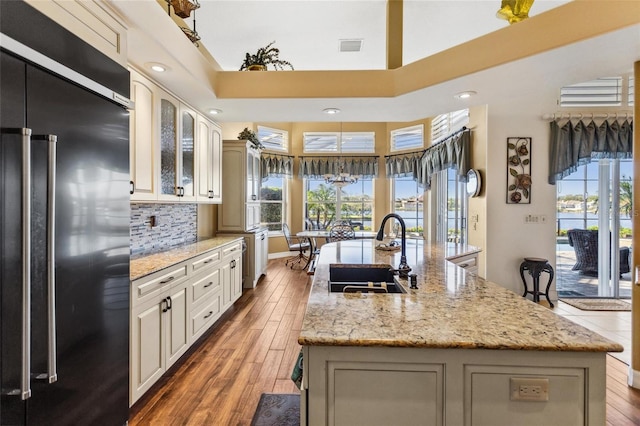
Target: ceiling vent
[(353, 45)]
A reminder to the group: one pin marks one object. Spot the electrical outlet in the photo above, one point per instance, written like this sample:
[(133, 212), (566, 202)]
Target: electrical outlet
[(529, 389)]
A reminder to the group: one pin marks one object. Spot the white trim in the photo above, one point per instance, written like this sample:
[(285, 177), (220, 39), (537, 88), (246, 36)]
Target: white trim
[(282, 254), (55, 67), (634, 378)]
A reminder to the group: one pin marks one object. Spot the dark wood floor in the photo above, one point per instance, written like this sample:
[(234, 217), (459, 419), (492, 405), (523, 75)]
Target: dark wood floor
[(252, 350)]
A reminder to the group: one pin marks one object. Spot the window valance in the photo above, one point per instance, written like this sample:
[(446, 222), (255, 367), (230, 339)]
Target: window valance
[(404, 165), (575, 144), (317, 167), (275, 165), (452, 152)]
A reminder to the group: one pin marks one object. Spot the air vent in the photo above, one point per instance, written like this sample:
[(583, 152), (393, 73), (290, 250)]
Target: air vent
[(354, 45)]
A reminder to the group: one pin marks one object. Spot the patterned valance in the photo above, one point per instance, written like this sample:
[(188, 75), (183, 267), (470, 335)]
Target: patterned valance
[(317, 167), (404, 165), (275, 165), (452, 152), (575, 144)]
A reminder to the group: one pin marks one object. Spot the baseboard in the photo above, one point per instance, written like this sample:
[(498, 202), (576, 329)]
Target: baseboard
[(633, 379), (282, 254)]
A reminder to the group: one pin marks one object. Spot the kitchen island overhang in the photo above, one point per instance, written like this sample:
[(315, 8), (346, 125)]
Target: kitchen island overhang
[(457, 341)]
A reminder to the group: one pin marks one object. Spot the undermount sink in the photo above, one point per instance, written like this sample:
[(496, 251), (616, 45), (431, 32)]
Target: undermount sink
[(366, 278)]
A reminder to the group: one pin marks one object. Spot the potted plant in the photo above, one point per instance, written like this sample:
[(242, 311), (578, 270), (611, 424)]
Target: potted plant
[(250, 136), (267, 55)]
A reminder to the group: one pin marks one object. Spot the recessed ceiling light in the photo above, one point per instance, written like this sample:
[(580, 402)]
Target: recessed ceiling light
[(214, 111), (331, 111), (464, 95), (156, 66)]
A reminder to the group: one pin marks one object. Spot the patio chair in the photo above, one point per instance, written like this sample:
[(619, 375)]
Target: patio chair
[(296, 244), (585, 245)]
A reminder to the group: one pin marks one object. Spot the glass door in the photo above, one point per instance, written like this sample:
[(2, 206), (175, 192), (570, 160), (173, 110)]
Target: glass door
[(593, 230)]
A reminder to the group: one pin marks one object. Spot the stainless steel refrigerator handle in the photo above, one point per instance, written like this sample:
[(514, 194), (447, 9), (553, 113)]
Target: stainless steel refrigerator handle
[(51, 258), (25, 379)]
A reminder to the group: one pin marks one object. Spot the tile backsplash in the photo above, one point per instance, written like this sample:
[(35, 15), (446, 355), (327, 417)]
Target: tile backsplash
[(175, 224)]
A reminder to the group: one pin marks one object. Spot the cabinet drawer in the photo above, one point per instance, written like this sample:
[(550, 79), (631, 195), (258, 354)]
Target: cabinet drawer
[(149, 286), (232, 249), (202, 319), (205, 285), (209, 259)]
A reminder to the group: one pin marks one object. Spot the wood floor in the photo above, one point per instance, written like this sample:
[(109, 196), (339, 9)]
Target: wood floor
[(252, 350)]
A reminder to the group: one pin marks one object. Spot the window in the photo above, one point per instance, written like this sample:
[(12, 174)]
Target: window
[(408, 203), (445, 124), (450, 194), (326, 204), (407, 138), (273, 139), (339, 142), (272, 203), (601, 92)]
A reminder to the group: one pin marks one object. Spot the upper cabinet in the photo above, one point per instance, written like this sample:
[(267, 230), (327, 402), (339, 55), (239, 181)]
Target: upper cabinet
[(175, 152), (209, 148), (241, 187), (143, 149)]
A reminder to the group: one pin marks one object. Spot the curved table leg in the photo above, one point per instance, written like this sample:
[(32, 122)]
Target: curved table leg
[(522, 268)]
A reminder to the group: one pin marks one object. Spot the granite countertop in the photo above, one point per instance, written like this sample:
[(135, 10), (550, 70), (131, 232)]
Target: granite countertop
[(451, 309), (139, 266)]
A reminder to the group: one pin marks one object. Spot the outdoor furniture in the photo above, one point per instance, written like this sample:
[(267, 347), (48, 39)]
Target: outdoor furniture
[(341, 231), (536, 266), (296, 244), (585, 244)]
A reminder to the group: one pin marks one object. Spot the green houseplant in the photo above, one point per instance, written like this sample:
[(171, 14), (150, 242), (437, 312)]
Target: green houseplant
[(250, 135), (267, 55)]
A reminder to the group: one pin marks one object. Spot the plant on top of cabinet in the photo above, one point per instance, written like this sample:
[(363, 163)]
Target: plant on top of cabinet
[(250, 135), (263, 57)]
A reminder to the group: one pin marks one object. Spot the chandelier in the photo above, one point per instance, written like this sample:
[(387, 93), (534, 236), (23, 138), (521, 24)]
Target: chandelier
[(341, 179)]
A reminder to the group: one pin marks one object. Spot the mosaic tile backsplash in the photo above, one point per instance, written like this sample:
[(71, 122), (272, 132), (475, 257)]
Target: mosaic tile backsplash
[(176, 224)]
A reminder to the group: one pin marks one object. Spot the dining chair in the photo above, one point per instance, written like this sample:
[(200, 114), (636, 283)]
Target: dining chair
[(341, 231), (296, 244)]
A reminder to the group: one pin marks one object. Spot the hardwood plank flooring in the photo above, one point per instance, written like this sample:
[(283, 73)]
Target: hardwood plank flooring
[(252, 349)]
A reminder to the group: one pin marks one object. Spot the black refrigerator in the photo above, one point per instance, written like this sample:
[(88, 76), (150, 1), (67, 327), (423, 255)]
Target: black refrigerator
[(64, 226)]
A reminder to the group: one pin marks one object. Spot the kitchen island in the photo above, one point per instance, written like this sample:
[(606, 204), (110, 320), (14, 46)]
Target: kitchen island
[(459, 350)]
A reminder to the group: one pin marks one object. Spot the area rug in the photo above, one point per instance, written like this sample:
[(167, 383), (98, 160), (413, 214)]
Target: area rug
[(276, 409), (599, 304)]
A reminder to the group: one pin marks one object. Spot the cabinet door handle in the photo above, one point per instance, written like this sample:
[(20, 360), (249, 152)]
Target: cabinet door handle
[(169, 302), (168, 280), (133, 187), (208, 315), (233, 264), (164, 305), (208, 261), (262, 237), (209, 284)]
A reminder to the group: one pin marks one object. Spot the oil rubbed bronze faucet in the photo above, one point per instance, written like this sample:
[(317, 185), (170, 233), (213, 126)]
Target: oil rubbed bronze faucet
[(403, 267)]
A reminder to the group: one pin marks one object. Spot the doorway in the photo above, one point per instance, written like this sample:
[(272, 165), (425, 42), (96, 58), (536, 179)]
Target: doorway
[(593, 230)]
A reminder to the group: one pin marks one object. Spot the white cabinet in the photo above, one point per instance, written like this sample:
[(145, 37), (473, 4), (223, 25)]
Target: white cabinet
[(255, 258), (241, 187), (172, 308), (231, 274), (159, 326), (209, 154), (175, 153), (143, 150), (177, 128), (467, 261)]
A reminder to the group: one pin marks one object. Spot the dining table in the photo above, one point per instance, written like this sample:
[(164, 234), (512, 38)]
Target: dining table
[(311, 235)]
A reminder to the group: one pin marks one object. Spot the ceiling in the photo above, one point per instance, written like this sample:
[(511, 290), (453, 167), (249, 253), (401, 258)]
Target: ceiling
[(308, 33)]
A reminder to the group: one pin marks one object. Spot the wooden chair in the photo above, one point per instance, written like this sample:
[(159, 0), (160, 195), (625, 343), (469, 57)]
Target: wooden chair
[(341, 231), (296, 244), (585, 245)]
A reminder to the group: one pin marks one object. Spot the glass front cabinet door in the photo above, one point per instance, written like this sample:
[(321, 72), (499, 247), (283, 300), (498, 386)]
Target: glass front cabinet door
[(177, 160)]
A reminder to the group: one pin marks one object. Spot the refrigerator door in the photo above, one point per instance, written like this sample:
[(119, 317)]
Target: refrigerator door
[(12, 306), (79, 332)]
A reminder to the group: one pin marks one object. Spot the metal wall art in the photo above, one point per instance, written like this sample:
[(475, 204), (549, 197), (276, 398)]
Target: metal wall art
[(518, 170)]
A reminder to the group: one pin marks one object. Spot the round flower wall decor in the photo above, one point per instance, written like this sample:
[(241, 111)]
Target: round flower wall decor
[(519, 170)]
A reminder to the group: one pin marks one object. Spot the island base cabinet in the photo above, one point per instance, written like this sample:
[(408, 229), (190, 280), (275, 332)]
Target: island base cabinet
[(472, 387)]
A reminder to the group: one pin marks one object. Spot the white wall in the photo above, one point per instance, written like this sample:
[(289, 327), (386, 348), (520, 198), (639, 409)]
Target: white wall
[(509, 239)]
